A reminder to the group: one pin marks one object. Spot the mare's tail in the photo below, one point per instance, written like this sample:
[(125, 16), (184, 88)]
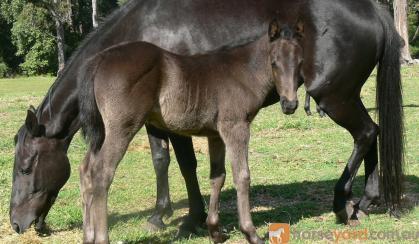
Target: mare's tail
[(390, 112), (91, 121)]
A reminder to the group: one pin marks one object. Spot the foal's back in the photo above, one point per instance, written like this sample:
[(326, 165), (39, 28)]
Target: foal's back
[(187, 94)]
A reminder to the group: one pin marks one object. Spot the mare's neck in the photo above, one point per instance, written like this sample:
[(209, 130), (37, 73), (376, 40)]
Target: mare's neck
[(58, 111)]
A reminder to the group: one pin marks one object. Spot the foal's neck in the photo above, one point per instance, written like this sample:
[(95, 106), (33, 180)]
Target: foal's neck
[(254, 59)]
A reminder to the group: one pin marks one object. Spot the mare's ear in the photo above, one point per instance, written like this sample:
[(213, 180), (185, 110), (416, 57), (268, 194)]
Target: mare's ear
[(32, 125), (273, 30)]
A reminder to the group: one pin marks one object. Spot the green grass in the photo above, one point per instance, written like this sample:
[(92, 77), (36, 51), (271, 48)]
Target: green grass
[(295, 161)]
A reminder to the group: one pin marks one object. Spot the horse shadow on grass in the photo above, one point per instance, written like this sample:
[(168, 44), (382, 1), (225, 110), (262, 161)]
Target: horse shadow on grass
[(285, 203)]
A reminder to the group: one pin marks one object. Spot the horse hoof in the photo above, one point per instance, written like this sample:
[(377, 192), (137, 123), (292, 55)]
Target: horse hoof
[(219, 237), (353, 222), (308, 113), (186, 229), (168, 211), (257, 240), (154, 224), (344, 215), (361, 214)]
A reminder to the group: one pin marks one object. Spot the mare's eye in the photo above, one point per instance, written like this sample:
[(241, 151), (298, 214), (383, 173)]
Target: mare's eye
[(25, 171)]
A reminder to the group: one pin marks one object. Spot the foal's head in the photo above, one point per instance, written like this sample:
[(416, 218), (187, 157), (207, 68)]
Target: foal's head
[(286, 56)]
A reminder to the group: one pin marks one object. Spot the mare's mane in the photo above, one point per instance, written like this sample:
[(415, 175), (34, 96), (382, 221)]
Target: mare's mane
[(93, 35)]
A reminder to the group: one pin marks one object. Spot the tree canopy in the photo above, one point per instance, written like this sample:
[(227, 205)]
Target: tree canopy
[(29, 31)]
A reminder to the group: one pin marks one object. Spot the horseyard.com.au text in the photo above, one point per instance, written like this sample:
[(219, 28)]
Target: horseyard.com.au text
[(282, 233)]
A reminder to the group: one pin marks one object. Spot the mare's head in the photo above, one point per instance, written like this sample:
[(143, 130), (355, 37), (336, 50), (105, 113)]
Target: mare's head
[(286, 56), (40, 169)]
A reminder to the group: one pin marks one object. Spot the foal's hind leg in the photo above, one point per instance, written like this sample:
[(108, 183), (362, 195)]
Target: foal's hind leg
[(352, 117), (159, 145), (96, 175), (217, 176)]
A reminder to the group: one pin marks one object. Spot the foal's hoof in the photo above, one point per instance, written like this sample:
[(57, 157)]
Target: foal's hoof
[(154, 224), (308, 112)]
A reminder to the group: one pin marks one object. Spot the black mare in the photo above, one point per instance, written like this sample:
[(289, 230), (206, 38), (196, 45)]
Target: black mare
[(345, 39)]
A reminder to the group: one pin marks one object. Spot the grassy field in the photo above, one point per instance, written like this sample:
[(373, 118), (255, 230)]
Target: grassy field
[(294, 160)]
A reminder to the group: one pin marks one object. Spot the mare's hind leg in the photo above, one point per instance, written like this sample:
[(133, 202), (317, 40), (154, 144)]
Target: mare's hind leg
[(236, 138), (371, 190), (159, 145), (185, 156), (96, 175), (217, 177), (352, 117)]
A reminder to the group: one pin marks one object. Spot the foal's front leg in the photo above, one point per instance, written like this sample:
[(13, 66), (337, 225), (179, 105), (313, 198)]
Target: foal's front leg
[(236, 138), (96, 175), (217, 176)]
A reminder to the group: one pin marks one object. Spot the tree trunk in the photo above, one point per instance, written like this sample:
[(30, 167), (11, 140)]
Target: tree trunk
[(400, 19), (59, 27), (94, 14), (416, 34), (60, 44)]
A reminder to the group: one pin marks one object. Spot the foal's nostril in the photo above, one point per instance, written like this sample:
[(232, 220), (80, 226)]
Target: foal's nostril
[(16, 227)]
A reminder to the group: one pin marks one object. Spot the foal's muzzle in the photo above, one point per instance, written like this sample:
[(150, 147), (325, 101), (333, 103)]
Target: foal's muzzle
[(288, 107)]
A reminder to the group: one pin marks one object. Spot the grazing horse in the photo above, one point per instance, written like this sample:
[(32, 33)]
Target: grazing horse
[(214, 95), (344, 41)]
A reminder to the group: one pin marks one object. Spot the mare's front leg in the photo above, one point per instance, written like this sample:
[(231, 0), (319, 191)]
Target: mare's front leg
[(236, 138), (185, 156), (96, 175), (217, 177), (159, 145)]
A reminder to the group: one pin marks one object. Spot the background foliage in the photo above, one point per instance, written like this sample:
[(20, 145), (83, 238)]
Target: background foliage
[(28, 35)]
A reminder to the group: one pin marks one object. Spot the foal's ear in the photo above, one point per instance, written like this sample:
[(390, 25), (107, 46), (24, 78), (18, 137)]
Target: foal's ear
[(274, 30)]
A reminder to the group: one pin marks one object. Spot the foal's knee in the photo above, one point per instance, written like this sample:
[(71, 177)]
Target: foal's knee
[(243, 180)]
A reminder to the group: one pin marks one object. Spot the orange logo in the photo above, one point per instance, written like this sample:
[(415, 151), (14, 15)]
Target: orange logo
[(279, 233)]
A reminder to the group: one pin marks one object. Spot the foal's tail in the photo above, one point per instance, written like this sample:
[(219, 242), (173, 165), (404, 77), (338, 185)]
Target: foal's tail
[(91, 121), (390, 112)]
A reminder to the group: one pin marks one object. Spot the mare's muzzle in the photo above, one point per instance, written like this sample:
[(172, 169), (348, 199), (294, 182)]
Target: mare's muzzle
[(288, 107)]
